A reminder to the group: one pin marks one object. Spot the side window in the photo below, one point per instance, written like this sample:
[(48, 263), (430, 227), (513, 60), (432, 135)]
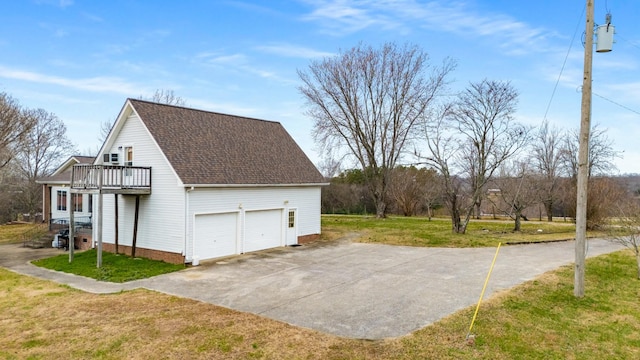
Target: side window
[(76, 202), (292, 219), (61, 200)]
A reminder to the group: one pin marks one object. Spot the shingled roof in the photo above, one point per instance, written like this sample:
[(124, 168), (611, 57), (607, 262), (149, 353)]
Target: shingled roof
[(211, 148), (63, 174)]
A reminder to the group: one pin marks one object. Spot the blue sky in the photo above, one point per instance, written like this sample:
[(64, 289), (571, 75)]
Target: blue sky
[(82, 59)]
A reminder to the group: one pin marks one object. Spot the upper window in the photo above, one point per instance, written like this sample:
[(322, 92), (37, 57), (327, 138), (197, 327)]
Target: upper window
[(128, 156), (61, 200)]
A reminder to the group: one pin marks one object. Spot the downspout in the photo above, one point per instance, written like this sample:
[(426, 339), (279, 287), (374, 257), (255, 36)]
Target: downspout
[(186, 222)]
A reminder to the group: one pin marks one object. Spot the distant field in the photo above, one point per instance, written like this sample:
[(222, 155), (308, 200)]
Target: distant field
[(419, 231)]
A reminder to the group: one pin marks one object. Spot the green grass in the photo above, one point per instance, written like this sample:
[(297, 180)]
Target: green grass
[(540, 319), (419, 231), (115, 268)]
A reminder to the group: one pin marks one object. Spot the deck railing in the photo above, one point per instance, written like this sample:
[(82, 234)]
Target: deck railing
[(110, 177)]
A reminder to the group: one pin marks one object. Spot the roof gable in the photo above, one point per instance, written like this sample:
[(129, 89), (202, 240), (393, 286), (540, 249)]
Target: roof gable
[(63, 172), (211, 148)]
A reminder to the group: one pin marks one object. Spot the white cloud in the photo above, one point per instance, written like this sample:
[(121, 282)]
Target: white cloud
[(240, 63), (59, 3), (340, 17), (92, 17), (295, 51), (225, 108), (94, 84)]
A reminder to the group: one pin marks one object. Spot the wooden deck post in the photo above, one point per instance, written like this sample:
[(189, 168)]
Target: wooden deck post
[(72, 231), (99, 249), (135, 227), (116, 224)]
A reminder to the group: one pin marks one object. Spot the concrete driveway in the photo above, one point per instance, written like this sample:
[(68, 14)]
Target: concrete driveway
[(350, 289)]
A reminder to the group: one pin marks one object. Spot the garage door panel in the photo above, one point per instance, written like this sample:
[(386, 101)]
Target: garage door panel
[(263, 230), (215, 235)]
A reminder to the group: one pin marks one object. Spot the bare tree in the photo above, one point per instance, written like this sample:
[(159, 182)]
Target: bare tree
[(105, 129), (367, 102), (625, 229), (14, 125), (470, 140), (442, 145), (163, 96), (405, 190), (519, 189), (38, 155), (547, 159), (601, 153), (602, 198)]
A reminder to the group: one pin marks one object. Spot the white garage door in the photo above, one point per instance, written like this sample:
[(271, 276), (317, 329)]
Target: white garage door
[(215, 235), (263, 229)]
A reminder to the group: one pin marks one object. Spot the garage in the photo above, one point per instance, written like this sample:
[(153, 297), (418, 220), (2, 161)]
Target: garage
[(215, 235), (263, 229)]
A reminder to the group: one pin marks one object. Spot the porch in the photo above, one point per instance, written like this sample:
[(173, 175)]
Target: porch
[(111, 179)]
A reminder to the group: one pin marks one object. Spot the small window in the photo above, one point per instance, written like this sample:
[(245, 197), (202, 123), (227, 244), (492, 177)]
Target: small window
[(61, 200), (292, 219), (114, 158), (90, 203), (76, 202), (128, 156)]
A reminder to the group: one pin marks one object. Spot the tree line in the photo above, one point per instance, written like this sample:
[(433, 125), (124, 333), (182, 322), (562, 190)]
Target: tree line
[(33, 142), (410, 147)]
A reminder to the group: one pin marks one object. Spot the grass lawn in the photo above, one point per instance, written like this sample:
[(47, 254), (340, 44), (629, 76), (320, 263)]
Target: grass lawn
[(115, 268), (540, 319), (419, 231), (12, 233)]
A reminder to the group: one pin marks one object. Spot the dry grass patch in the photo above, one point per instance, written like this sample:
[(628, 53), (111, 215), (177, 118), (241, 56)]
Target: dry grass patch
[(538, 320), (12, 233), (44, 320)]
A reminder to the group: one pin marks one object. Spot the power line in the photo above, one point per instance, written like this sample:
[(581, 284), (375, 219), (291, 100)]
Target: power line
[(616, 103), (628, 41), (564, 63)]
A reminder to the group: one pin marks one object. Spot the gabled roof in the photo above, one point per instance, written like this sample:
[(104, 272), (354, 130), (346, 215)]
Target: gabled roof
[(208, 148), (62, 175)]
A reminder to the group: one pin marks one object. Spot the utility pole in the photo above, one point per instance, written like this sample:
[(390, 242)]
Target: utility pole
[(583, 158)]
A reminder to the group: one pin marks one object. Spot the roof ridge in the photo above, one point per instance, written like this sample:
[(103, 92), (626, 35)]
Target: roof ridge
[(201, 110)]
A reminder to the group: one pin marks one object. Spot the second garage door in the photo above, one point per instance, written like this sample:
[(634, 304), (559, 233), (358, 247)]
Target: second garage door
[(263, 230)]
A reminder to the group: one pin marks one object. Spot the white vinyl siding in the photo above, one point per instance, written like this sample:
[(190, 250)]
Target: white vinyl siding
[(306, 201), (161, 214), (64, 214)]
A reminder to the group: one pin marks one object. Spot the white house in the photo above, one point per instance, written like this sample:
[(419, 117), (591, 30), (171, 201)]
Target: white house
[(57, 201), (206, 185)]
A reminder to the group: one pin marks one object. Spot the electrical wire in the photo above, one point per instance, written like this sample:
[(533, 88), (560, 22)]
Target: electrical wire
[(564, 63), (616, 103), (628, 41)]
